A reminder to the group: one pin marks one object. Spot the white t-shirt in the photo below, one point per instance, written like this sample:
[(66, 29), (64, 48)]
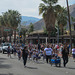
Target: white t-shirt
[(73, 51), (48, 51)]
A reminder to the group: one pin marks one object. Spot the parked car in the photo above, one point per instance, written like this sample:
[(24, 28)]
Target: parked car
[(0, 49), (4, 47)]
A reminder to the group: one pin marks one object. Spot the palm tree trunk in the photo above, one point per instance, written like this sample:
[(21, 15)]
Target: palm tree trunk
[(49, 37), (24, 39), (10, 38), (14, 36), (5, 39), (62, 36)]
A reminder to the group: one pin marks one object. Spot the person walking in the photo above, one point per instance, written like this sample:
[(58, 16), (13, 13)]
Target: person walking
[(65, 54), (73, 53), (14, 51), (48, 52), (25, 55), (8, 51)]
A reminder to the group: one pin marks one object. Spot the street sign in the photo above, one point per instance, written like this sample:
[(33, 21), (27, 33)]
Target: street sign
[(7, 30)]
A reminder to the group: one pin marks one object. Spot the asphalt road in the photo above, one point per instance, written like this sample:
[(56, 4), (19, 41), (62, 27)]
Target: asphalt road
[(12, 66)]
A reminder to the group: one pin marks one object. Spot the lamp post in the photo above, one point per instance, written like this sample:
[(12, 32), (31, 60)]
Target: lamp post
[(69, 24)]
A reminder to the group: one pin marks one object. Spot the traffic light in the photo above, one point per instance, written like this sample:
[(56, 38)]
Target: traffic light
[(20, 36)]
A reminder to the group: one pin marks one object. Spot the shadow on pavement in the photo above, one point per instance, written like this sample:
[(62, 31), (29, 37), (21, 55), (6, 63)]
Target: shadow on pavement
[(65, 67), (3, 74), (70, 67), (31, 67), (7, 74), (5, 66), (3, 58), (1, 62)]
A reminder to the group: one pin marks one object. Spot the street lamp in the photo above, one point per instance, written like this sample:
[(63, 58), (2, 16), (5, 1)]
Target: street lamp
[(69, 23)]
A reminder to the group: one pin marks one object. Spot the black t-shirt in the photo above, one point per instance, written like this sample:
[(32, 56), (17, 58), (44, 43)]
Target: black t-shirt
[(25, 53), (65, 53)]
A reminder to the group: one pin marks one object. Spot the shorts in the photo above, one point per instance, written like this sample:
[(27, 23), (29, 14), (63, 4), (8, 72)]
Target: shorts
[(73, 55)]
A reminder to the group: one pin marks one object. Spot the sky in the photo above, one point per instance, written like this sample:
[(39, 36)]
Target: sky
[(26, 7)]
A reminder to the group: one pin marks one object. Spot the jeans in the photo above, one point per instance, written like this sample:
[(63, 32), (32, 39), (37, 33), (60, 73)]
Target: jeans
[(48, 57), (24, 60)]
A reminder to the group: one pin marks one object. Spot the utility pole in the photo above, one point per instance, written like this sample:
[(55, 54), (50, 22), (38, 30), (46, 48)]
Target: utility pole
[(69, 24)]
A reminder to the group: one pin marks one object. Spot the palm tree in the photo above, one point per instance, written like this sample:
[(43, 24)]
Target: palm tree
[(62, 20), (24, 31), (3, 24), (11, 19), (47, 9), (14, 18), (1, 21)]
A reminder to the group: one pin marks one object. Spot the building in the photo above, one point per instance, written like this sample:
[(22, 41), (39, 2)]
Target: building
[(40, 36)]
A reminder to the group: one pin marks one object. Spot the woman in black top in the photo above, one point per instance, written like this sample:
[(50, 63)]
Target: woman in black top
[(65, 54), (8, 51), (25, 55)]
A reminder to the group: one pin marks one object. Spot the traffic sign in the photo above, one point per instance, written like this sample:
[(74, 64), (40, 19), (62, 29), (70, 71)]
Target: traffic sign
[(6, 29)]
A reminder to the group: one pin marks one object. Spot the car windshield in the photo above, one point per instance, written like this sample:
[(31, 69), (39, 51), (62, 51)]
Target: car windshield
[(6, 45)]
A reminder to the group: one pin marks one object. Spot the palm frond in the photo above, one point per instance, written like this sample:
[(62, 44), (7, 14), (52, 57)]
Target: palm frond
[(42, 8)]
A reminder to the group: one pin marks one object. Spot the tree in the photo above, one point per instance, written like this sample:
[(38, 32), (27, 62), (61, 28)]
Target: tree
[(23, 32), (31, 27), (14, 20), (2, 24), (11, 18), (52, 34), (47, 9), (62, 20)]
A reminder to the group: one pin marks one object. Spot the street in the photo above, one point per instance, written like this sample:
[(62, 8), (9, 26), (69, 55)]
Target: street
[(13, 66)]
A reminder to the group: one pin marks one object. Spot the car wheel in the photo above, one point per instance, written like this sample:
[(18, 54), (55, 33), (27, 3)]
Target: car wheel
[(3, 52)]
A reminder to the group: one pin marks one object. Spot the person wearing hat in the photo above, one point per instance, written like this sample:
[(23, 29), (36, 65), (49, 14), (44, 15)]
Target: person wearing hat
[(73, 53)]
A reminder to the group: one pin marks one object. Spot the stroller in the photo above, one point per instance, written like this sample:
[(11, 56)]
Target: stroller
[(55, 60)]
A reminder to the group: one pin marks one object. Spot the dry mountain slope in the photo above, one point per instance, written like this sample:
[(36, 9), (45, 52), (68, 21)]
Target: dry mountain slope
[(39, 25)]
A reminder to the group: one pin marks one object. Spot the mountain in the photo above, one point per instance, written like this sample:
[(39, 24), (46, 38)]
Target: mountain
[(27, 20), (72, 14), (72, 10), (39, 25)]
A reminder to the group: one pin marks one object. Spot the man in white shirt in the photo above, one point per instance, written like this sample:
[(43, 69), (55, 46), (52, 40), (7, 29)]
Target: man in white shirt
[(73, 53), (48, 52)]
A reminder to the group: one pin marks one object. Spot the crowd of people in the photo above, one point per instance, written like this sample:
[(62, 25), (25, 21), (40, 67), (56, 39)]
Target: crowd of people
[(42, 51)]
